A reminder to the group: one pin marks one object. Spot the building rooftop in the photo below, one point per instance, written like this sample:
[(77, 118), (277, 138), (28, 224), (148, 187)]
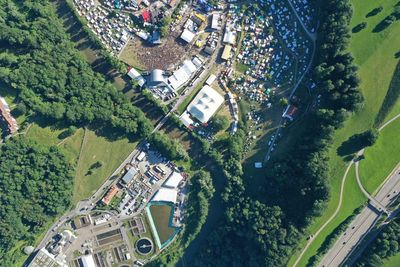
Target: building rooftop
[(205, 104)]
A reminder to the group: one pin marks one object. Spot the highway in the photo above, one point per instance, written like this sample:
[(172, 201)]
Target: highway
[(363, 222)]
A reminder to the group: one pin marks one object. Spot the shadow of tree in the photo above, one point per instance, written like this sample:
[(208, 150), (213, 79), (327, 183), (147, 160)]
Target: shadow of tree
[(384, 24), (349, 147)]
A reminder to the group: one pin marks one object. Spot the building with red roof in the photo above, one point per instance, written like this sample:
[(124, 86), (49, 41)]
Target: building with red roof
[(7, 118), (290, 112), (110, 194), (146, 16)]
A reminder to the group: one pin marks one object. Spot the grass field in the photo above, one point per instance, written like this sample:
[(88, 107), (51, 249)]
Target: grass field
[(98, 148), (374, 53), (381, 158), (354, 199), (181, 108), (392, 261)]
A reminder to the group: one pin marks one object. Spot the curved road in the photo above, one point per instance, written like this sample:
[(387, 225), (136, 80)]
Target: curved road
[(340, 196)]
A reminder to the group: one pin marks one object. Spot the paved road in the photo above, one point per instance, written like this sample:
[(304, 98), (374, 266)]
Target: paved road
[(339, 206), (363, 222)]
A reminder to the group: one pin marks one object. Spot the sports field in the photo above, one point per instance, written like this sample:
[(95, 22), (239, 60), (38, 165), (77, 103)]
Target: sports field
[(375, 55)]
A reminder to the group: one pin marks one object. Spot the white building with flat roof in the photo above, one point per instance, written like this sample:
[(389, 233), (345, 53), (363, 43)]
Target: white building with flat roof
[(166, 194), (205, 104), (173, 180)]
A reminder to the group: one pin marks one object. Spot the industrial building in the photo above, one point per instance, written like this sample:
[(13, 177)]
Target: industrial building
[(166, 195), (173, 180), (43, 258)]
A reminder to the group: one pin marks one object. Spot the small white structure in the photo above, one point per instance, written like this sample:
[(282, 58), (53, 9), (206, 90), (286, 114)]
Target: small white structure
[(173, 180), (205, 104), (186, 120), (187, 36), (88, 261), (166, 194), (211, 79), (135, 75), (141, 156)]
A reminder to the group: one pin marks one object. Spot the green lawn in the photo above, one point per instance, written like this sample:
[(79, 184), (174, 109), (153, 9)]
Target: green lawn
[(50, 136), (374, 53), (189, 98), (381, 158), (392, 261), (111, 153)]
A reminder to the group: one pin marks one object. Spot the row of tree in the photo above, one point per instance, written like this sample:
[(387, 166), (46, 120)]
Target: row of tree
[(39, 61), (386, 245), (264, 231), (36, 185)]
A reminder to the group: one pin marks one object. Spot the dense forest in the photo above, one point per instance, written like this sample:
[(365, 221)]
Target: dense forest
[(386, 245), (38, 60), (36, 185), (264, 232)]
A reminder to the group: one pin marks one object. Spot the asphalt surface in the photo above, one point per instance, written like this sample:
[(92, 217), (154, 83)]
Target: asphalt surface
[(363, 222)]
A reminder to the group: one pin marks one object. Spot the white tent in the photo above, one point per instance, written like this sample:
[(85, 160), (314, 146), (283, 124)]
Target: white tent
[(182, 75), (187, 36), (173, 180), (205, 104), (135, 75), (186, 120), (88, 261), (230, 37), (211, 79), (166, 194)]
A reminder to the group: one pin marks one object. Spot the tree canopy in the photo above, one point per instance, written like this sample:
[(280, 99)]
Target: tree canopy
[(50, 75), (36, 184)]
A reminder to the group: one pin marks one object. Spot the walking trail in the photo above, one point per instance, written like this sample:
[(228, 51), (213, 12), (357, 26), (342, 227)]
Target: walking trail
[(339, 206)]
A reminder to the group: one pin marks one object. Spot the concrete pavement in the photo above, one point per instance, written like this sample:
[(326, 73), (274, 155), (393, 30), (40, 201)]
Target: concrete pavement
[(363, 223)]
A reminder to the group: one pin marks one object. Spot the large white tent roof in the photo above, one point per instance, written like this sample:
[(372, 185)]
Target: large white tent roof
[(205, 104), (229, 37), (165, 194), (173, 180)]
